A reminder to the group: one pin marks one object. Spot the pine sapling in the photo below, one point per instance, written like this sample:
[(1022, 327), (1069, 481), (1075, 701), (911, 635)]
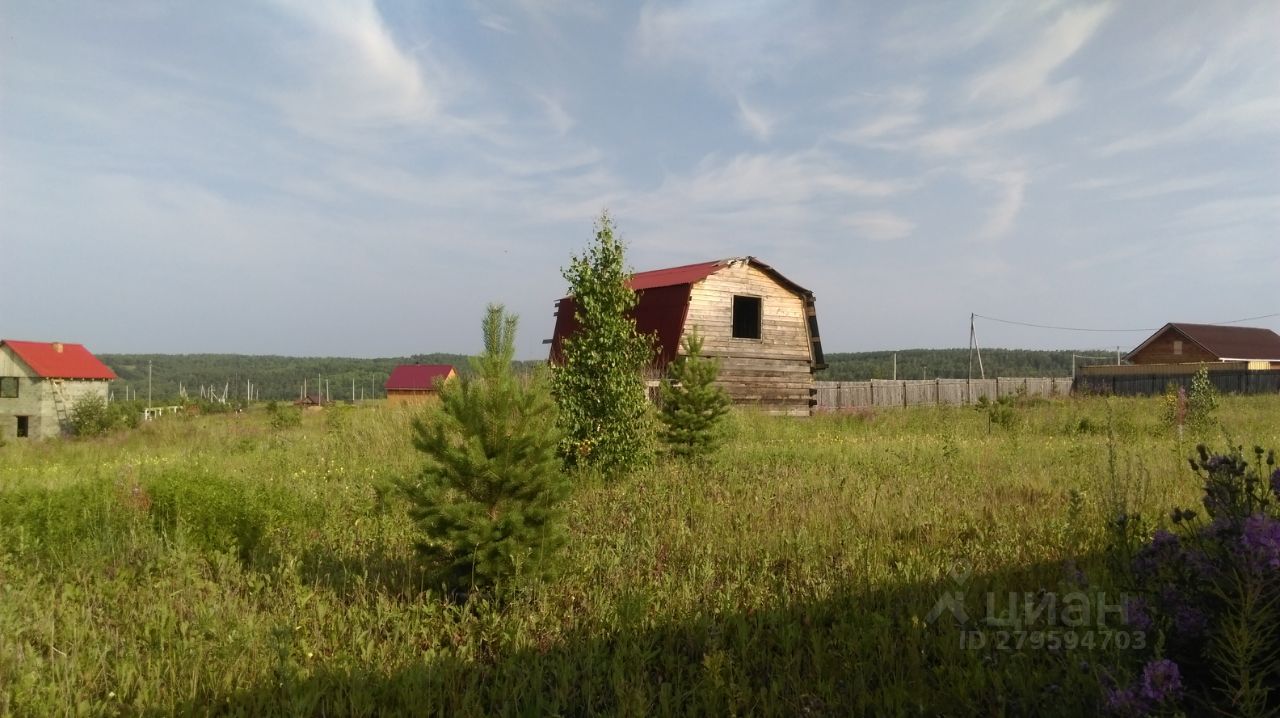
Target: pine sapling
[(692, 404), (489, 499)]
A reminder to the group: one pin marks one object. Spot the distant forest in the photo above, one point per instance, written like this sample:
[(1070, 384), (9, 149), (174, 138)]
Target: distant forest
[(280, 377)]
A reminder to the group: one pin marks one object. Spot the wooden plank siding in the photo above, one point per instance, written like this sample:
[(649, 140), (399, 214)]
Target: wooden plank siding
[(774, 372)]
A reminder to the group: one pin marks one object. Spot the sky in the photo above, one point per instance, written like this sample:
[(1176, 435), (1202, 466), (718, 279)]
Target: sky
[(316, 177)]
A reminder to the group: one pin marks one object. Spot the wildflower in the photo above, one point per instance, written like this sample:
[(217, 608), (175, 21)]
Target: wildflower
[(1163, 550), (1137, 614), (1275, 483), (1161, 681), (1189, 621), (1261, 540), (1125, 702)]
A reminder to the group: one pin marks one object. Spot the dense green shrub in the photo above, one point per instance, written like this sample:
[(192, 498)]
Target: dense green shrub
[(284, 416), (692, 404), (489, 499), (90, 417), (599, 386)]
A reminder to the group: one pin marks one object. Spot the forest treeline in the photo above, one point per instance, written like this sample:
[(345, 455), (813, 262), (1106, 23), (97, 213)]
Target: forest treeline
[(281, 377)]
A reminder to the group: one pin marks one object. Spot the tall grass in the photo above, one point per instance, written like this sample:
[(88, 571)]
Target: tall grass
[(222, 565)]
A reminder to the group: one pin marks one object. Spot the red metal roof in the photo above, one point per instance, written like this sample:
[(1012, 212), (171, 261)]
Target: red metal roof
[(687, 274), (1225, 342), (663, 302), (417, 377), (59, 360)]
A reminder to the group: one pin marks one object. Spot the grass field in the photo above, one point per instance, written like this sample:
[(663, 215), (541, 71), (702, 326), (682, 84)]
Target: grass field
[(219, 565)]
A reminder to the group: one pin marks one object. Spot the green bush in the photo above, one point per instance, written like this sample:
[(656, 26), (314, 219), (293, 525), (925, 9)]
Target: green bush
[(284, 416), (90, 416)]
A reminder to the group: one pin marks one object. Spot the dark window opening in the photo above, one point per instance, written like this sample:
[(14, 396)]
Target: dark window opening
[(8, 387), (22, 427), (746, 317)]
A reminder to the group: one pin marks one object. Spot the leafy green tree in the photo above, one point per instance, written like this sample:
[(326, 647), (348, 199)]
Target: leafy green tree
[(1202, 400), (604, 411), (489, 499), (90, 416), (692, 404)]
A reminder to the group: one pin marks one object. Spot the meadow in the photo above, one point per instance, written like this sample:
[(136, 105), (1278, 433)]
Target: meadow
[(225, 565)]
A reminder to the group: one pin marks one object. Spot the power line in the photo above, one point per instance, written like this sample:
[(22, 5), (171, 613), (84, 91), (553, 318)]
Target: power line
[(1064, 329), (1085, 329)]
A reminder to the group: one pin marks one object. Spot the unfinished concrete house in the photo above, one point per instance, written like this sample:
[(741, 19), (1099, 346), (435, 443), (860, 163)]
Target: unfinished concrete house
[(761, 326), (40, 383)]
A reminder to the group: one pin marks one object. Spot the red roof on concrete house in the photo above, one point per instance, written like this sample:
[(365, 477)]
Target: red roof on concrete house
[(417, 377), (59, 360), (1224, 342)]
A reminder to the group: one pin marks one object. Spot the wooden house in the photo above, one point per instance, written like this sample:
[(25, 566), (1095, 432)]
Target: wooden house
[(40, 383), (761, 326), (313, 401), (1181, 343), (410, 383)]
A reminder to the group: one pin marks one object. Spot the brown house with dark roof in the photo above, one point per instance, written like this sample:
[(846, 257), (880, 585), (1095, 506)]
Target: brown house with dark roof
[(1179, 343), (759, 325)]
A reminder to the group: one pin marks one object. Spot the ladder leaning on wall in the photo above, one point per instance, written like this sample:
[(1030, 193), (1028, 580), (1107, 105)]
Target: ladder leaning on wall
[(60, 404)]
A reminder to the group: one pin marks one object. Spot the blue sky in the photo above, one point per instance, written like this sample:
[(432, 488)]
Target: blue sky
[(360, 179)]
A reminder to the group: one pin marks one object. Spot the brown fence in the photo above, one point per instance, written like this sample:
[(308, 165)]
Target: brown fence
[(1132, 383), (837, 395)]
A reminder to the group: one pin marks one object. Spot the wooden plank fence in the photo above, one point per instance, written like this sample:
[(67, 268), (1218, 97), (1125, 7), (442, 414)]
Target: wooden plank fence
[(839, 395), (1132, 383)]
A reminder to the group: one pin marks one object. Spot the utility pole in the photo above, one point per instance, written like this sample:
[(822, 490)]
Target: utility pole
[(895, 366), (149, 381)]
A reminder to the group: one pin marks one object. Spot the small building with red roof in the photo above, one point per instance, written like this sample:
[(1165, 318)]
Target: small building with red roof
[(417, 382), (40, 383), (759, 325)]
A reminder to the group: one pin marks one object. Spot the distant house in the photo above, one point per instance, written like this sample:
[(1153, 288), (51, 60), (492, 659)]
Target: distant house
[(1181, 343), (761, 326), (313, 401), (40, 383), (417, 382)]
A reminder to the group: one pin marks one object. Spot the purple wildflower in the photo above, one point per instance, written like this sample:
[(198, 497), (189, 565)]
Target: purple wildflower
[(1189, 621), (1137, 614), (1125, 702), (1261, 541), (1163, 550), (1161, 681)]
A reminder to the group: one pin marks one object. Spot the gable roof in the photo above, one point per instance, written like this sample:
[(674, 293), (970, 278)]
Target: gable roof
[(59, 360), (1224, 342), (693, 273), (417, 377), (664, 302)]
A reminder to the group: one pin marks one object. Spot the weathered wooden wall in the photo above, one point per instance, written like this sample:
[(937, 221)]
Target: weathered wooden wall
[(837, 395), (774, 372)]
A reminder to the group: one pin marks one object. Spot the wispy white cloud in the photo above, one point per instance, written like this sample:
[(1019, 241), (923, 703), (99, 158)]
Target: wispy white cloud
[(1028, 73), (560, 120), (355, 77), (1011, 188), (757, 124), (880, 226)]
